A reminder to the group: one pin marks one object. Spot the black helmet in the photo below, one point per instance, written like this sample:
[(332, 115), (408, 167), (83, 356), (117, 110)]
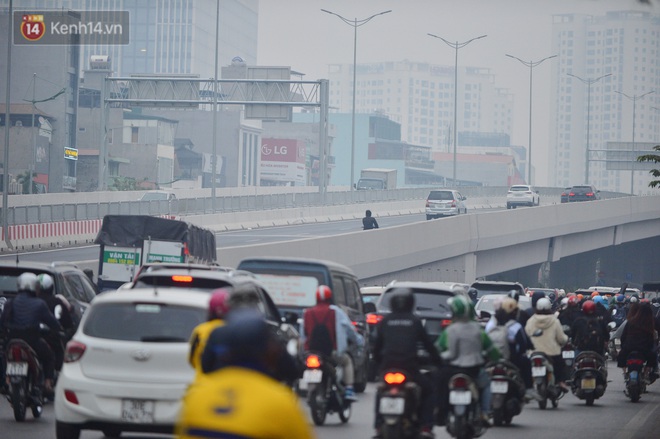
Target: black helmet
[(402, 300), (514, 294), (473, 293)]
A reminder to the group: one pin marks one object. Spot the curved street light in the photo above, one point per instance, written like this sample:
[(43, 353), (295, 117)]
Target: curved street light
[(632, 161), (531, 65), (588, 81), (355, 23), (456, 46)]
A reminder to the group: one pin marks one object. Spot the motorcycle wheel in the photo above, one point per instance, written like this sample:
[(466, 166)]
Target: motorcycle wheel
[(633, 393), (590, 401), (498, 417), (19, 401), (37, 409), (345, 413), (542, 390), (317, 404), (394, 431)]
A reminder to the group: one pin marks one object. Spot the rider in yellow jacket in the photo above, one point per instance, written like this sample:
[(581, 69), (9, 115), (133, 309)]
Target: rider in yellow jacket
[(218, 307), (241, 399)]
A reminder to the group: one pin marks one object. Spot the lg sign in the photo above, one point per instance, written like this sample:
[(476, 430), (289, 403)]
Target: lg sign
[(274, 150), (282, 150)]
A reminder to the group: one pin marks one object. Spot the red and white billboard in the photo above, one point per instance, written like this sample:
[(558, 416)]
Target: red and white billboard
[(283, 160)]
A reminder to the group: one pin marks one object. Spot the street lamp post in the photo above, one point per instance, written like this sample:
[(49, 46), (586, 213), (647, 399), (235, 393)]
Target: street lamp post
[(588, 81), (355, 23), (632, 161), (531, 65), (456, 46)]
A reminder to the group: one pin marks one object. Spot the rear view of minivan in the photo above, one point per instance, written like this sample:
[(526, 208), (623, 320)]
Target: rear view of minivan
[(292, 284), (445, 202)]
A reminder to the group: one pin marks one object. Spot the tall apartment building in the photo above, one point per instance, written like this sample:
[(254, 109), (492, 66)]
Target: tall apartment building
[(169, 36), (420, 96), (625, 45)]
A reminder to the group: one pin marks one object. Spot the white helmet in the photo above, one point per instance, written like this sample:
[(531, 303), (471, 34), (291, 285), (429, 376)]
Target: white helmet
[(543, 304), (45, 281), (27, 282)]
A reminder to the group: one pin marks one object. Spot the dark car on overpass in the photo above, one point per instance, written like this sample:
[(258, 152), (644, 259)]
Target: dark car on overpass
[(583, 193)]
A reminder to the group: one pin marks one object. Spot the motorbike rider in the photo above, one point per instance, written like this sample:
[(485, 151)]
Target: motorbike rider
[(242, 400), (465, 348), (218, 308), (60, 308), (395, 346), (572, 312), (518, 343), (548, 337), (22, 317), (369, 222), (326, 319), (639, 334), (590, 333)]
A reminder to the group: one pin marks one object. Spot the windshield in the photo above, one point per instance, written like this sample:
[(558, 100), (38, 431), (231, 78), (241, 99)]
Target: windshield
[(425, 300), (292, 290), (151, 322)]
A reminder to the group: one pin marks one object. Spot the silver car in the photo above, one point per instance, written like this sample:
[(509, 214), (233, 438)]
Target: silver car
[(445, 202)]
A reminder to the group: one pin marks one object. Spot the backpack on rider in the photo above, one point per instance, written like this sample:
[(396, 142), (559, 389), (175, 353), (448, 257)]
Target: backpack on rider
[(499, 335)]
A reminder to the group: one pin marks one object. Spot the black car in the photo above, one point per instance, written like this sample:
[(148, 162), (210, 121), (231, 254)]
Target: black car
[(430, 305), (564, 195), (71, 282), (583, 193)]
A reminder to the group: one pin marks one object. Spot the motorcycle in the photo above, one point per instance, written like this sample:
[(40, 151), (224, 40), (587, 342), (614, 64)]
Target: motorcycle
[(398, 405), (325, 391), (508, 391), (464, 420), (544, 380), (589, 377), (636, 376), (568, 354), (24, 379)]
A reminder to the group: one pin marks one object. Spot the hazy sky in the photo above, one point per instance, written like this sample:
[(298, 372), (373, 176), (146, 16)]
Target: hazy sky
[(297, 33)]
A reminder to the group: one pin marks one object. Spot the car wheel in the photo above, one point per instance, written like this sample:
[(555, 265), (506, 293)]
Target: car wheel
[(428, 217), (66, 431), (508, 206), (111, 432)]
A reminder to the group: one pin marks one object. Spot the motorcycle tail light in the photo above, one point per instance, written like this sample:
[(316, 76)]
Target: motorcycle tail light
[(373, 319), (458, 383), (499, 371), (445, 323), (589, 364), (313, 362), (635, 362), (74, 351), (394, 378), (16, 353), (538, 362)]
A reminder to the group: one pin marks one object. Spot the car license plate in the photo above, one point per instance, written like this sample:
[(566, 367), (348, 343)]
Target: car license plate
[(588, 383), (499, 386), (137, 411), (568, 354), (391, 406), (313, 376), (457, 397), (17, 369), (538, 371)]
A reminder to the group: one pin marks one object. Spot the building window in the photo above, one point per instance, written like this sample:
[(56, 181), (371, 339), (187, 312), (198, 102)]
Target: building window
[(134, 134)]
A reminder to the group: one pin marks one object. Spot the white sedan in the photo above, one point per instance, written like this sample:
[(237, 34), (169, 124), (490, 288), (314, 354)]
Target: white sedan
[(522, 195), (126, 368)]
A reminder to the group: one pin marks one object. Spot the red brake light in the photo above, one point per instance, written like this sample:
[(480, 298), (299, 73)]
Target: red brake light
[(445, 323), (394, 378), (313, 362), (182, 278), (459, 382), (538, 362), (499, 371), (453, 204), (74, 351), (70, 396), (571, 194), (635, 362), (590, 194), (373, 319)]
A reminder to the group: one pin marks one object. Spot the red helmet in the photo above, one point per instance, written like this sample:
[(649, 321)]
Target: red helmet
[(573, 301), (219, 303), (323, 294), (589, 307)]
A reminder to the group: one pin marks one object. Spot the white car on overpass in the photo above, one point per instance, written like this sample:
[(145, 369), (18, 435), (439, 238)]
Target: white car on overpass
[(522, 195)]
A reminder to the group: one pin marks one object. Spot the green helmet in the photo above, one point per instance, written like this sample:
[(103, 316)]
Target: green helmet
[(461, 307)]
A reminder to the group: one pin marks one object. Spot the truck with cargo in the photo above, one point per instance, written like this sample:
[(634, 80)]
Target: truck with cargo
[(376, 179), (128, 241)]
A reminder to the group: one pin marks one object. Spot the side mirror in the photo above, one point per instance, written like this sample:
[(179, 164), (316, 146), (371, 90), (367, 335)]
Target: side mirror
[(290, 317), (369, 307), (611, 325)]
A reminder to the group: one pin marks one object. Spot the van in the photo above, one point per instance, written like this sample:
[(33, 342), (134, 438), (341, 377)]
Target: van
[(292, 283)]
